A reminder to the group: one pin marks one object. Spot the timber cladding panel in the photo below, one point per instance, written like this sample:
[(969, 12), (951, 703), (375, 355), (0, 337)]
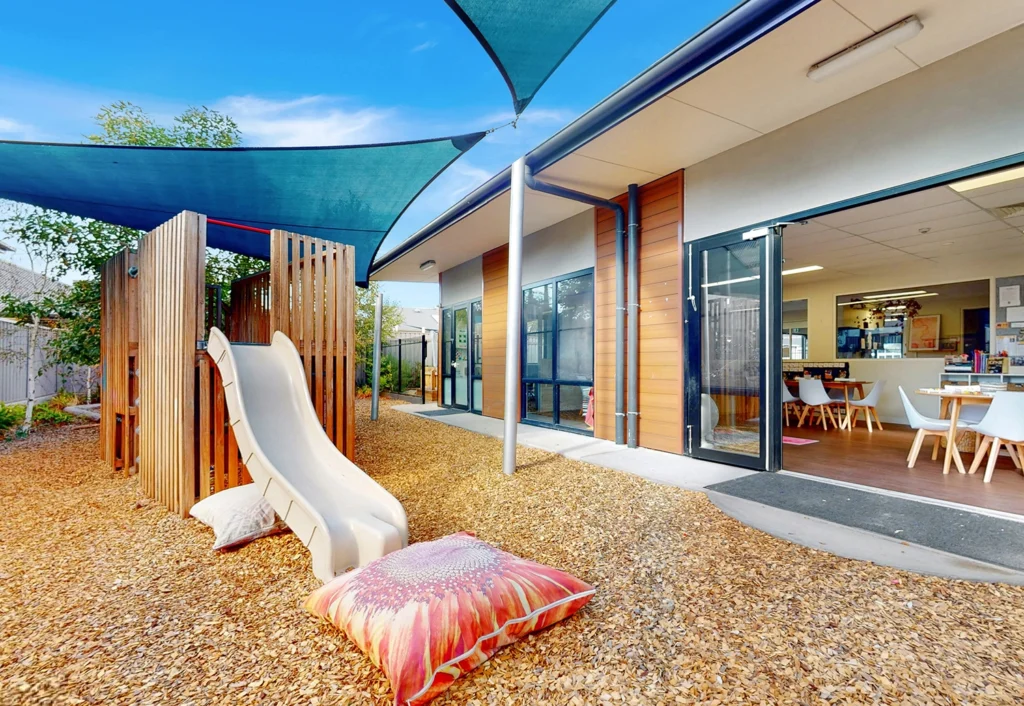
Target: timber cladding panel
[(119, 336), (495, 306), (171, 318), (660, 425)]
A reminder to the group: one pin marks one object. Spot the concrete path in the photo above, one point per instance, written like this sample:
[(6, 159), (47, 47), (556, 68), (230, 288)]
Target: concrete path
[(692, 474), (670, 469)]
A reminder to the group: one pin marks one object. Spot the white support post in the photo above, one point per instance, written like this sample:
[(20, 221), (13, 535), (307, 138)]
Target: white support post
[(513, 323), (378, 315)]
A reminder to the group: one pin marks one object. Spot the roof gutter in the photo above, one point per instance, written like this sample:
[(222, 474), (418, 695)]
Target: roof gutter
[(742, 26)]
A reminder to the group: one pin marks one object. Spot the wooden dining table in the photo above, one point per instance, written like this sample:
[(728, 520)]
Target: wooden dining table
[(846, 386), (953, 401)]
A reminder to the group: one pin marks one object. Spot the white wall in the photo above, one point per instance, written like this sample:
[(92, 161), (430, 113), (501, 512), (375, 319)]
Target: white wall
[(955, 113), (463, 282), (912, 374), (567, 246)]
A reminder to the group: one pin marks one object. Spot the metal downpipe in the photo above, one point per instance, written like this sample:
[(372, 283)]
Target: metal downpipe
[(620, 286), (378, 311), (634, 315)]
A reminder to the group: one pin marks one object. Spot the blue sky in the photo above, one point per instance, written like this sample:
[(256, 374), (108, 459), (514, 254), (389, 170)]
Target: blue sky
[(316, 73)]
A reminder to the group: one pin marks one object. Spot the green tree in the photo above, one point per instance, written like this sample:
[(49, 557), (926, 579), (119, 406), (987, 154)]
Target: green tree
[(35, 305), (391, 318)]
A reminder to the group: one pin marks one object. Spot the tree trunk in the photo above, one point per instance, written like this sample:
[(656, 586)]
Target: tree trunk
[(88, 385), (30, 401)]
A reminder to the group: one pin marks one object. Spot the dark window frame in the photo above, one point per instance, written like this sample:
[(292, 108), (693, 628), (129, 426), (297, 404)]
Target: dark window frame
[(554, 380)]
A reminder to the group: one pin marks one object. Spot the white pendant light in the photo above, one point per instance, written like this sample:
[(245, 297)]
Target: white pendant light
[(902, 31)]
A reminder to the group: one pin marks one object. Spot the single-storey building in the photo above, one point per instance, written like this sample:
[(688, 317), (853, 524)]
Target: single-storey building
[(824, 190)]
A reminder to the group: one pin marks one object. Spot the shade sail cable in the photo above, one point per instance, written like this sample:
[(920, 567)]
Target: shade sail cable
[(349, 194)]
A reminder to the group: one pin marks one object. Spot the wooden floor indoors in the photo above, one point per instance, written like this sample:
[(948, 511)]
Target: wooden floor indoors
[(879, 460)]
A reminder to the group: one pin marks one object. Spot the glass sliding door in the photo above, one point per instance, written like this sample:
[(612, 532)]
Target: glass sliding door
[(734, 349), (446, 357), (460, 359), (558, 351)]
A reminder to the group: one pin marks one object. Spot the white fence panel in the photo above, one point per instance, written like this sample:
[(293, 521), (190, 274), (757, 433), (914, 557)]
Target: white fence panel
[(14, 370)]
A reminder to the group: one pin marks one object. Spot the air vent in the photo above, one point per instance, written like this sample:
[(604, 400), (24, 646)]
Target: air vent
[(1010, 211)]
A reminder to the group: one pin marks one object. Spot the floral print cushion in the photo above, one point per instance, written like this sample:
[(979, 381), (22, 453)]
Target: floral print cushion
[(435, 610)]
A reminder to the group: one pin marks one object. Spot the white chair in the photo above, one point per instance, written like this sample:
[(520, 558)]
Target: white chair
[(708, 417), (867, 406), (928, 426), (816, 400), (1003, 424), (789, 403)]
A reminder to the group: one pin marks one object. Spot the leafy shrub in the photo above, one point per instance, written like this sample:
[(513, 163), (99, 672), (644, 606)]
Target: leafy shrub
[(47, 414), (10, 416), (64, 399)]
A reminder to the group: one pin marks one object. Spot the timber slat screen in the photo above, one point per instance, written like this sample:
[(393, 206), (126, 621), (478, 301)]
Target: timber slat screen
[(171, 319), (119, 328), (180, 432), (312, 284), (248, 320)]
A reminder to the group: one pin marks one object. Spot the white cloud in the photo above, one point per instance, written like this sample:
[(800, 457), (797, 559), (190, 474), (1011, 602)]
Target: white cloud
[(423, 47), (460, 179), (309, 120), (10, 128)]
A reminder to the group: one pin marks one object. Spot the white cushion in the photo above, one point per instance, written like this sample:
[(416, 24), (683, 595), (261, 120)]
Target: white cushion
[(236, 515)]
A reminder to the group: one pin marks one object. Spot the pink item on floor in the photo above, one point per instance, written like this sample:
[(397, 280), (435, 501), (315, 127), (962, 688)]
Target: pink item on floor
[(794, 441)]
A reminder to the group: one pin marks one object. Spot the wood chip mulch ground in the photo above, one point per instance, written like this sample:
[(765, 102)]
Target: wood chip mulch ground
[(105, 598)]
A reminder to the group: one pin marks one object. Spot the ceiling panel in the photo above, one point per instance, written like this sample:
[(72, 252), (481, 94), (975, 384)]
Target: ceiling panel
[(765, 86), (689, 135), (912, 217), (1000, 198), (954, 226), (483, 230), (595, 176), (949, 25), (881, 209), (935, 236)]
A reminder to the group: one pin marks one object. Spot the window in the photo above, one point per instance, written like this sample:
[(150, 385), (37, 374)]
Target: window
[(558, 351), (794, 330), (929, 321)]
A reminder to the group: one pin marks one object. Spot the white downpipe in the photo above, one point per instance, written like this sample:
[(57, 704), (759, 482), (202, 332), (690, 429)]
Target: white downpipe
[(378, 316), (513, 324)]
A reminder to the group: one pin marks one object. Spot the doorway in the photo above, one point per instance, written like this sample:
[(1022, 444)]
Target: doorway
[(733, 338), (461, 369)]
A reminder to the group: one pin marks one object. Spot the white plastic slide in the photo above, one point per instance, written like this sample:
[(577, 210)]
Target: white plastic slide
[(341, 514)]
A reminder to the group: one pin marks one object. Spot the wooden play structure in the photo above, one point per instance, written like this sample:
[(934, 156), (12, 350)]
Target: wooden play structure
[(163, 412)]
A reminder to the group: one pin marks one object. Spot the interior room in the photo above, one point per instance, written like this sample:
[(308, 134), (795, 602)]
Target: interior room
[(919, 292)]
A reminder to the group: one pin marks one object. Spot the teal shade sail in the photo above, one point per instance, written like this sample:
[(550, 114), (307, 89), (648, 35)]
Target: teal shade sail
[(528, 39), (349, 194)]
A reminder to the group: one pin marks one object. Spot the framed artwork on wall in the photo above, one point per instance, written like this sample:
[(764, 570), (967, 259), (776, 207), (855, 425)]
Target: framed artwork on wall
[(924, 333)]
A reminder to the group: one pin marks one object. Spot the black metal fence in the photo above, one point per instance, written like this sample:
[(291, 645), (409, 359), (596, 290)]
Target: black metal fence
[(402, 366)]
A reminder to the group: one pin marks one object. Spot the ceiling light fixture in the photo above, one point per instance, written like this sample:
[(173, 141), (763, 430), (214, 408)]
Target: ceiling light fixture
[(731, 281), (988, 179), (875, 299), (800, 270), (888, 38), (429, 264), (896, 294)]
